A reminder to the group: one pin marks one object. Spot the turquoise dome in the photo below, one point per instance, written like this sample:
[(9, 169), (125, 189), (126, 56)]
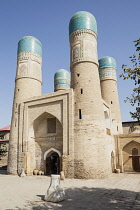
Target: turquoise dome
[(30, 44), (82, 20), (61, 80), (62, 73), (106, 62)]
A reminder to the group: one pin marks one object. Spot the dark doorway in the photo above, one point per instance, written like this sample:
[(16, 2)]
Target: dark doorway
[(135, 160), (136, 163), (53, 164)]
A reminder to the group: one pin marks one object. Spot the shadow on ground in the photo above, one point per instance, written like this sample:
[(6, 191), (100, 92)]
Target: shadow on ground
[(90, 199)]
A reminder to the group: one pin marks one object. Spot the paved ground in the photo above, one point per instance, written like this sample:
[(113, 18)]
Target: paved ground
[(119, 191)]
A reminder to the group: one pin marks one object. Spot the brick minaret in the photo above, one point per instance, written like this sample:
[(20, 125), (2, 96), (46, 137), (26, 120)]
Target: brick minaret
[(107, 71), (89, 134), (28, 84)]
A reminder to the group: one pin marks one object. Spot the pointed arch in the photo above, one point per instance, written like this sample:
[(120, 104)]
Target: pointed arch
[(131, 161), (51, 150), (43, 127), (43, 116), (131, 142)]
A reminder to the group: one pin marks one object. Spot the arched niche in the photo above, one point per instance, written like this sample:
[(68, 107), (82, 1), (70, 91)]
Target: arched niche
[(107, 119), (130, 162), (41, 125), (130, 145), (52, 159), (45, 138)]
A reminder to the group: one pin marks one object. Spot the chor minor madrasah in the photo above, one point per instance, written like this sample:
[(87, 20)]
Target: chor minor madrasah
[(76, 129)]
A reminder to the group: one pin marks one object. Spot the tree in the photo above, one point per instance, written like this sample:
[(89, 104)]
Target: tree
[(134, 74)]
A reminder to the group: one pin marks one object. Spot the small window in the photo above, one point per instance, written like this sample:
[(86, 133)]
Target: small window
[(51, 125), (117, 128), (78, 75), (111, 102), (81, 91), (80, 114)]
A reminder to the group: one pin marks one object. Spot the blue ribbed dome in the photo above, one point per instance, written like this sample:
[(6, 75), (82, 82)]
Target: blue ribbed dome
[(82, 20), (61, 80), (30, 44), (62, 73), (106, 62)]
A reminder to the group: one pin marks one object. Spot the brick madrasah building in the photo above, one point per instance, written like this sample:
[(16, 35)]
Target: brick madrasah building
[(76, 129)]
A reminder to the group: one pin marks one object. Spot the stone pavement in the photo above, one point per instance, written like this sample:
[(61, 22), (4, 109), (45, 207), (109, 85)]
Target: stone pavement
[(119, 191)]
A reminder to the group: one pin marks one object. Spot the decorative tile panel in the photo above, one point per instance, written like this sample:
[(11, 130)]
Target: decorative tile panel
[(29, 55), (22, 69), (29, 65), (83, 46), (107, 73), (61, 79)]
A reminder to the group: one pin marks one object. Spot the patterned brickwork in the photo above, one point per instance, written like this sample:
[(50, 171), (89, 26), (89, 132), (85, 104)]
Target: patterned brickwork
[(83, 46), (107, 74), (89, 124), (28, 75), (86, 115), (110, 95)]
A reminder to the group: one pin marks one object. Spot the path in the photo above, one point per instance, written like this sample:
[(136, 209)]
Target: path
[(119, 191)]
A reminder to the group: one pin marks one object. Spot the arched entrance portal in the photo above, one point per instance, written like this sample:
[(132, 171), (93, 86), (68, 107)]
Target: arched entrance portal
[(52, 158), (52, 164), (131, 156)]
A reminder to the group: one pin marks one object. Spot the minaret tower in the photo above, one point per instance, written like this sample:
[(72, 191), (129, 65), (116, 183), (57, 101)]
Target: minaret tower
[(89, 123), (28, 83), (107, 71)]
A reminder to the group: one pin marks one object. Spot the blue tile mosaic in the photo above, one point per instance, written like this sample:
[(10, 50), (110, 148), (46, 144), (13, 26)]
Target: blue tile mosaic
[(107, 62), (82, 20), (62, 74), (30, 44), (62, 79), (61, 85), (107, 74)]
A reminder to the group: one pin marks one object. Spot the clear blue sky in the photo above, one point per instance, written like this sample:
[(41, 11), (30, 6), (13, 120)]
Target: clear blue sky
[(48, 20)]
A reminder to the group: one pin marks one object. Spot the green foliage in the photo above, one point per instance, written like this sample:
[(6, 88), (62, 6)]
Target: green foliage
[(134, 74)]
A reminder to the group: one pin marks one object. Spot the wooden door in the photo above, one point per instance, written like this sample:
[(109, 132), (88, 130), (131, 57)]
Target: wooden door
[(136, 163)]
